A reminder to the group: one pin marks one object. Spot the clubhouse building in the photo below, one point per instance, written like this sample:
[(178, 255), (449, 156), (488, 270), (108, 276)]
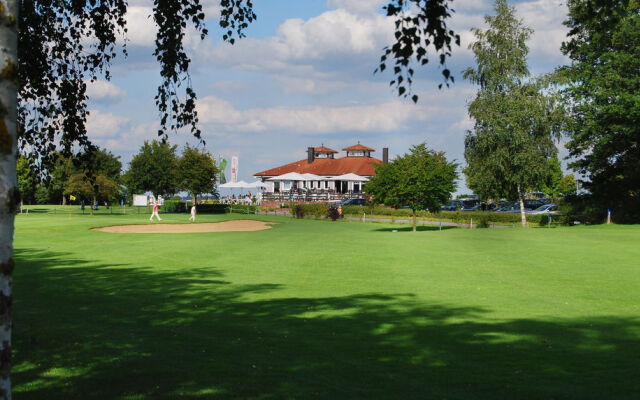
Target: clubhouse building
[(322, 174)]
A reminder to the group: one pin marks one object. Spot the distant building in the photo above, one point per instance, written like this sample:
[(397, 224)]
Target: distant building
[(322, 161)]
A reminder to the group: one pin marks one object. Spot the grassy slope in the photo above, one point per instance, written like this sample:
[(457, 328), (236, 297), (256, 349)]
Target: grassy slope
[(314, 309)]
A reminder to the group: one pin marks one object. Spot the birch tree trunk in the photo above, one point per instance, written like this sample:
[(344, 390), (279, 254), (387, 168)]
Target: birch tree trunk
[(9, 195), (523, 216)]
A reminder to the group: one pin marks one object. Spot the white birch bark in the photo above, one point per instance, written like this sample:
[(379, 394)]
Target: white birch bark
[(9, 196), (523, 216)]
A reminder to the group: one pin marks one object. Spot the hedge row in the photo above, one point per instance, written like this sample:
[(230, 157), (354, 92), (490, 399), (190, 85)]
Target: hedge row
[(480, 217), (173, 206), (241, 208)]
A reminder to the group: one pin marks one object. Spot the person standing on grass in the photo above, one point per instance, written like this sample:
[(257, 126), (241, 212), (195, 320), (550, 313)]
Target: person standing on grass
[(193, 213), (155, 212)]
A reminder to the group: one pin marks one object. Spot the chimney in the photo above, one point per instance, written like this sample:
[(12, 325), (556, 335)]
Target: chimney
[(310, 155), (385, 155)]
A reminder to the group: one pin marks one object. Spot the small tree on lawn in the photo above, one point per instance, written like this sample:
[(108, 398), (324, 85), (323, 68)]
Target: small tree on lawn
[(98, 187), (196, 172), (423, 179)]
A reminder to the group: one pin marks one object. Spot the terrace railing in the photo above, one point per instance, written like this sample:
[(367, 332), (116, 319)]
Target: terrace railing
[(306, 197)]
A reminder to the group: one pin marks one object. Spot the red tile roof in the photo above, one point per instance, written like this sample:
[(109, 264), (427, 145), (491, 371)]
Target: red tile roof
[(323, 149), (358, 147), (327, 166)]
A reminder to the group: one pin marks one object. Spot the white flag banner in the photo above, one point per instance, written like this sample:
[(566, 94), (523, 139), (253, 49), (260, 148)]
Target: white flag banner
[(234, 169)]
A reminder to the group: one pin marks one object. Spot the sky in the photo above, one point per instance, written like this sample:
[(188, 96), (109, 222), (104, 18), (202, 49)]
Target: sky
[(304, 77)]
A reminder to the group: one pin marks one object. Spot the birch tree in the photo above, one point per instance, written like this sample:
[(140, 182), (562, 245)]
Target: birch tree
[(515, 118), (62, 44)]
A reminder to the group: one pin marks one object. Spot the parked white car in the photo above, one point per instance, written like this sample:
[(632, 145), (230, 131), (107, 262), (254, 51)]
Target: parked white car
[(550, 208)]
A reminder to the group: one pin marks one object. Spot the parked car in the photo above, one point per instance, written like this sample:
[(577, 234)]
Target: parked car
[(452, 206), (353, 202), (533, 204), (546, 209), (512, 208)]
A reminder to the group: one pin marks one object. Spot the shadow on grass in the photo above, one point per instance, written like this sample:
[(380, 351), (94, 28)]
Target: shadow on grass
[(419, 228), (86, 331)]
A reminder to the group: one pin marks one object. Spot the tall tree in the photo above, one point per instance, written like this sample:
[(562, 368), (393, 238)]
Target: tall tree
[(65, 43), (196, 172), (27, 180), (515, 121), (604, 89), (557, 184), (63, 168), (153, 169), (103, 162), (422, 179)]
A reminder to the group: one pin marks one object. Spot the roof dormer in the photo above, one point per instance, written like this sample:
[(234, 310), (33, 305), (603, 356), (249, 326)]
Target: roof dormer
[(323, 152), (358, 150)]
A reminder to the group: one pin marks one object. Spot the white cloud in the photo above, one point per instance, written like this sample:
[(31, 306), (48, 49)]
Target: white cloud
[(141, 28), (103, 125), (545, 17), (104, 90), (385, 117), (358, 6), (299, 44)]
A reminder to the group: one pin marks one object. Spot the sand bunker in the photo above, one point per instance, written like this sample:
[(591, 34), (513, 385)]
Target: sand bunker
[(240, 225)]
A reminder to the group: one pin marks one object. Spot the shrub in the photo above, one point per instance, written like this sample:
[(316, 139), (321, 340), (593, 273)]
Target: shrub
[(483, 221), (296, 210), (174, 206), (212, 208), (316, 210), (333, 213)]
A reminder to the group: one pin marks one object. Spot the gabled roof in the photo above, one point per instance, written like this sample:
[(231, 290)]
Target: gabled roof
[(358, 147), (363, 166), (323, 149)]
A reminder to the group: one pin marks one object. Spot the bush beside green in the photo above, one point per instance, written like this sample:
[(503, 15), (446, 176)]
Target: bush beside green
[(316, 210)]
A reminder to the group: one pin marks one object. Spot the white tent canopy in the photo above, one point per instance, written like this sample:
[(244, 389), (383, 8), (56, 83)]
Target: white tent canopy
[(230, 185), (313, 177), (257, 184), (351, 177), (291, 176), (237, 185)]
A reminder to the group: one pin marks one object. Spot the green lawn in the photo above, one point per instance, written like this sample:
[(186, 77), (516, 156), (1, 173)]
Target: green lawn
[(315, 309)]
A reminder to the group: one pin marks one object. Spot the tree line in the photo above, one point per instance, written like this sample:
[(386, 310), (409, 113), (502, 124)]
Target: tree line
[(97, 176)]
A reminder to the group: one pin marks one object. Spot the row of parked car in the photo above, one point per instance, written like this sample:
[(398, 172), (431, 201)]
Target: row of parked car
[(532, 206)]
